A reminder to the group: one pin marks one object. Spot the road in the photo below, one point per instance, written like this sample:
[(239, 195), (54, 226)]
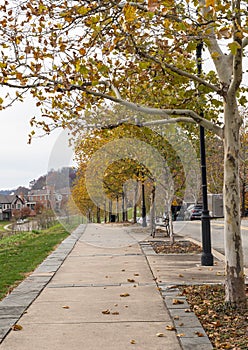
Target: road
[(192, 229)]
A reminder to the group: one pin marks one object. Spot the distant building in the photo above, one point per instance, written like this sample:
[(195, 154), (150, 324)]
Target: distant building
[(48, 197), (9, 203)]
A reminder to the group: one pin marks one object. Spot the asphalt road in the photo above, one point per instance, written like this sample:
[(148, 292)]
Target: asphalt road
[(192, 229)]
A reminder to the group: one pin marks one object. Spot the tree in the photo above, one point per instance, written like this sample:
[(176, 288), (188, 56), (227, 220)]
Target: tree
[(130, 165), (72, 55)]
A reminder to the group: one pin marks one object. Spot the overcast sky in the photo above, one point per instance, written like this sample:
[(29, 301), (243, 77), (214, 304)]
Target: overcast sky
[(20, 161)]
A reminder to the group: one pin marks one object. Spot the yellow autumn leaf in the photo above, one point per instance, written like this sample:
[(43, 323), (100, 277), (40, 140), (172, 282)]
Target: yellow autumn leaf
[(129, 12), (234, 46), (210, 3)]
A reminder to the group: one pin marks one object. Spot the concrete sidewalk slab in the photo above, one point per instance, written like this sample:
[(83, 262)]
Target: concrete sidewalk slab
[(103, 269), (82, 305), (185, 269), (68, 314), (92, 336)]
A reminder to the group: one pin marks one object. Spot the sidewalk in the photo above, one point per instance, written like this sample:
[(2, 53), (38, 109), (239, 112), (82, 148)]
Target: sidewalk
[(104, 290)]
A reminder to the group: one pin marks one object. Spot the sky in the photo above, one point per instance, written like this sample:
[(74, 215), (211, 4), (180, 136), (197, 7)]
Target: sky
[(22, 162)]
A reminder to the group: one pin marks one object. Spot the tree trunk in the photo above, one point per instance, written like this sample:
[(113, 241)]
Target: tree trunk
[(235, 283), (135, 203), (98, 215)]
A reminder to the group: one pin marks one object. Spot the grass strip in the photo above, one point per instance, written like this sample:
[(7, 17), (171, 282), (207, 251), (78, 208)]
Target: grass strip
[(20, 254)]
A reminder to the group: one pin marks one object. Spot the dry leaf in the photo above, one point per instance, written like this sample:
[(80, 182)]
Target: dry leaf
[(115, 313), (177, 301), (124, 295), (199, 334), (181, 335), (132, 341), (170, 328), (136, 274), (66, 307), (160, 334), (106, 312), (17, 327), (187, 310), (180, 275), (176, 317), (131, 280), (216, 324)]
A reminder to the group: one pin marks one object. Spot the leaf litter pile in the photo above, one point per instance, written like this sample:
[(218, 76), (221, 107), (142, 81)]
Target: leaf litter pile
[(226, 327), (178, 247)]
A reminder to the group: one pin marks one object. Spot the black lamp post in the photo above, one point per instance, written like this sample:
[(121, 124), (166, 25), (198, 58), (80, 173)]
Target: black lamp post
[(143, 208), (207, 257)]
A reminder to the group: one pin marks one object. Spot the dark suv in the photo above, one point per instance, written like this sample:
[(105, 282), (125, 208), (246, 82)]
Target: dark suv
[(193, 212)]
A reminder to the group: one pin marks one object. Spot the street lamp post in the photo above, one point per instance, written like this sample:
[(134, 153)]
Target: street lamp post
[(143, 208), (207, 257)]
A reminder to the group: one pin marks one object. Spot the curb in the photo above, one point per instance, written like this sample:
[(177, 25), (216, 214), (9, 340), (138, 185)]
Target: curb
[(188, 328), (14, 305)]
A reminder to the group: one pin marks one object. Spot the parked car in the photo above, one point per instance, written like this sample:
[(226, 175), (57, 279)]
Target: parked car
[(193, 212)]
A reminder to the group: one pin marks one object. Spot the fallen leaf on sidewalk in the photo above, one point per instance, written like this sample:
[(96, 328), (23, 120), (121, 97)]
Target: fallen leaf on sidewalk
[(66, 307), (180, 335), (17, 327), (136, 274), (106, 312), (124, 295), (160, 335), (177, 301), (115, 313), (132, 341), (131, 280), (170, 328), (199, 334)]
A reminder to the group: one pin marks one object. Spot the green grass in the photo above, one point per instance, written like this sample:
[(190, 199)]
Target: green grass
[(2, 224), (20, 254)]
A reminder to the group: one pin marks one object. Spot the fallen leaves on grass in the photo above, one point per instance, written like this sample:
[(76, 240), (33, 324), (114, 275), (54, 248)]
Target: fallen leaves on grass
[(226, 327), (178, 247)]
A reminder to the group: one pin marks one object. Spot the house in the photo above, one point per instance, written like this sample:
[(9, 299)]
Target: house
[(48, 197), (45, 196), (8, 203)]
